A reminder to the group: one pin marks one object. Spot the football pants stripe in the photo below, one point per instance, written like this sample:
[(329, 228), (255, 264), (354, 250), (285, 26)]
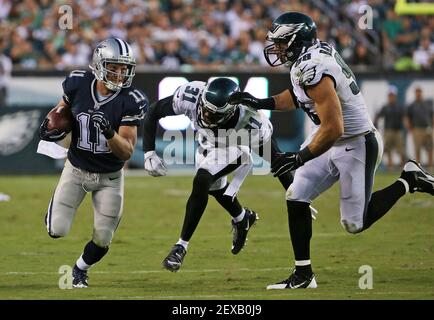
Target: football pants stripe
[(372, 150)]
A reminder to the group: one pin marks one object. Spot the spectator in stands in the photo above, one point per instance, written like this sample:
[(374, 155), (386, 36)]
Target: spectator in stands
[(424, 55), (170, 57), (362, 57), (420, 122), (31, 28), (393, 114)]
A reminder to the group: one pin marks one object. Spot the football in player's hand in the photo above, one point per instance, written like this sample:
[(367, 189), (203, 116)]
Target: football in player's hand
[(60, 118)]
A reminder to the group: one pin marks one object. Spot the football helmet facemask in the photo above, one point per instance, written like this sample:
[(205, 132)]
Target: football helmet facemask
[(113, 51), (214, 109), (291, 34)]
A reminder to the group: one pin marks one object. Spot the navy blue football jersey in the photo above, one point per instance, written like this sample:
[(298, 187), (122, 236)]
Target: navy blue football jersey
[(89, 149)]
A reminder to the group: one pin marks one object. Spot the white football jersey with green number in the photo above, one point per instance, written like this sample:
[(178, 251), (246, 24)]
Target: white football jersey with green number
[(323, 60), (186, 100)]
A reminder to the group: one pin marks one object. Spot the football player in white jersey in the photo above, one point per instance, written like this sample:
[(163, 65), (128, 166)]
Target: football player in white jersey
[(344, 145), (214, 119)]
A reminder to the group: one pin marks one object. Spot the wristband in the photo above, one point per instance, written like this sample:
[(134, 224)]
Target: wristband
[(305, 155), (267, 103)]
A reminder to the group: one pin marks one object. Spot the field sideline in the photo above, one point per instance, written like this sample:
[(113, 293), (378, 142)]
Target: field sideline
[(399, 248)]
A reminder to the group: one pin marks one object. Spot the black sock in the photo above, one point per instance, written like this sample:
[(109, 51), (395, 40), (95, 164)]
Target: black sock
[(300, 229), (93, 253), (304, 270), (231, 205), (381, 202), (196, 203)]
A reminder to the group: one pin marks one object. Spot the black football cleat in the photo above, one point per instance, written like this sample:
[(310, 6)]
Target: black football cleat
[(241, 228), (418, 179), (174, 260), (295, 281), (79, 278)]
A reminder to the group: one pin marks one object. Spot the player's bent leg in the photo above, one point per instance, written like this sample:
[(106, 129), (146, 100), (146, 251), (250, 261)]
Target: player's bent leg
[(66, 199), (196, 205), (242, 218), (107, 203)]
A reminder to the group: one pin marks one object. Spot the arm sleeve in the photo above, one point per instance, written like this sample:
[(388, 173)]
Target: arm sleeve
[(156, 111)]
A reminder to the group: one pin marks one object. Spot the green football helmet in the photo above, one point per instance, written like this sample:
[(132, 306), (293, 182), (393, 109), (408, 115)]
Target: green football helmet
[(291, 33), (214, 109)]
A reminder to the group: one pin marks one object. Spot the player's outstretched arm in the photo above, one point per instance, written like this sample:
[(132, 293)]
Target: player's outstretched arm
[(282, 101), (157, 110), (153, 164)]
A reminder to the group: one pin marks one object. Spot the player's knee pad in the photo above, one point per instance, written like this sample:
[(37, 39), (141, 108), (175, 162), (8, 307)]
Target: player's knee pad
[(102, 237), (54, 236), (57, 231), (352, 227)]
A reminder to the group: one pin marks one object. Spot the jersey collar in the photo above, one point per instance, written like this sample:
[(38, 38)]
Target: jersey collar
[(98, 104)]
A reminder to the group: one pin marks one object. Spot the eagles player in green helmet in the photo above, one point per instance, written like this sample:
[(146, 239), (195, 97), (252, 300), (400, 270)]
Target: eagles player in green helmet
[(212, 116), (344, 145)]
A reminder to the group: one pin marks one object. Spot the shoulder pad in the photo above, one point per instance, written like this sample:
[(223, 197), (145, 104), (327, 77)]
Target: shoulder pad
[(311, 67)]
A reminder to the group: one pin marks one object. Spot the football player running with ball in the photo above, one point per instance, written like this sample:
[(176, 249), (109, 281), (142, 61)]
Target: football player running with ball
[(344, 145), (106, 112), (214, 119)]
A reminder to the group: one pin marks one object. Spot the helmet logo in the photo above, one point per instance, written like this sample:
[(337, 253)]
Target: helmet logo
[(281, 31)]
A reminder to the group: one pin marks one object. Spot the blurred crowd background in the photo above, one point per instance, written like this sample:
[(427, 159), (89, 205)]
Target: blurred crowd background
[(206, 33)]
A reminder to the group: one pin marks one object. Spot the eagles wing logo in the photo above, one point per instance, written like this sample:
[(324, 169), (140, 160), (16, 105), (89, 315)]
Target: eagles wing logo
[(306, 76), (23, 125), (284, 30)]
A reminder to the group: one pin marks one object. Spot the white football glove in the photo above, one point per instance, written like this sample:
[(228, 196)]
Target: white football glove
[(154, 165)]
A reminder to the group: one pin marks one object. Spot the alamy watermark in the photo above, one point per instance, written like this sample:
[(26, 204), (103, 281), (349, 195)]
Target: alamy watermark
[(65, 280), (366, 21), (220, 147), (366, 281), (65, 20)]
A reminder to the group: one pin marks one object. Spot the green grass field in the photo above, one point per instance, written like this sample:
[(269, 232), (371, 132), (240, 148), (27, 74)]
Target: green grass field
[(399, 248)]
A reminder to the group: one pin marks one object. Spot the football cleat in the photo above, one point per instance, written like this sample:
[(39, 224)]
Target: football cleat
[(418, 179), (79, 278), (295, 281), (174, 260), (241, 228)]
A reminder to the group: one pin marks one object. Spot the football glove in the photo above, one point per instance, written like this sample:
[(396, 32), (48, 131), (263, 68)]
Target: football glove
[(244, 98), (50, 135), (289, 161), (154, 165), (102, 123), (285, 162)]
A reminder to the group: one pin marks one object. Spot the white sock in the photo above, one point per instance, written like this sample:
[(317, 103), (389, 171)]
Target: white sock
[(81, 264), (183, 243), (301, 263), (239, 217), (406, 185)]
